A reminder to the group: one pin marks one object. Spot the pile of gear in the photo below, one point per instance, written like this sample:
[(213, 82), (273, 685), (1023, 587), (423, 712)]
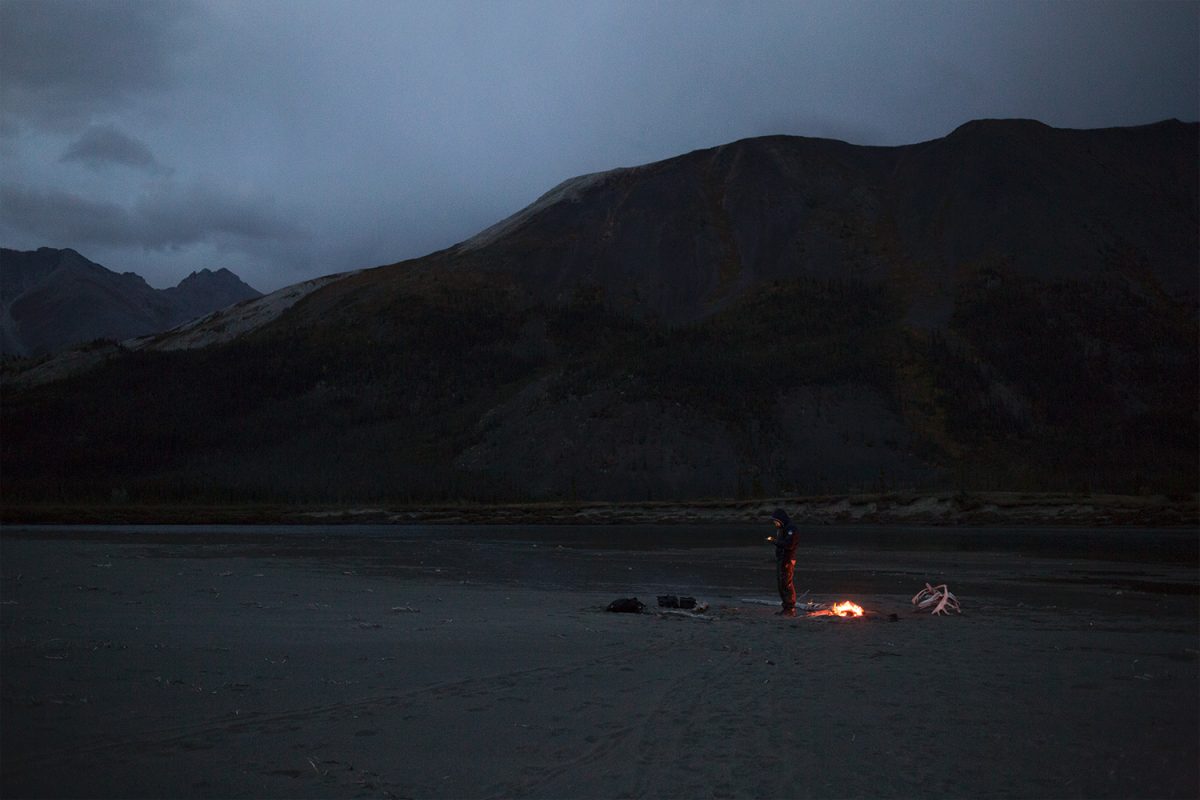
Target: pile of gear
[(673, 604)]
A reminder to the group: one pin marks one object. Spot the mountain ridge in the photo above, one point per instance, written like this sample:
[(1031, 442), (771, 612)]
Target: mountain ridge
[(1009, 308), (737, 188), (53, 299)]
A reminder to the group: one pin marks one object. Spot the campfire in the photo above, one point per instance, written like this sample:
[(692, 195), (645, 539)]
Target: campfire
[(842, 609)]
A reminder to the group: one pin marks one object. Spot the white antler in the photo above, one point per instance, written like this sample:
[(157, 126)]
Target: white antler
[(940, 597)]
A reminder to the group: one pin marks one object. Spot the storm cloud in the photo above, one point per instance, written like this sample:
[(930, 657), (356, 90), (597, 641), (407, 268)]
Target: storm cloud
[(56, 215), (104, 145), (63, 61), (166, 217), (286, 140)]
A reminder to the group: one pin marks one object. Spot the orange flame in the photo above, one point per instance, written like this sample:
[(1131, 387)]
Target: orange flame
[(847, 609), (842, 609)]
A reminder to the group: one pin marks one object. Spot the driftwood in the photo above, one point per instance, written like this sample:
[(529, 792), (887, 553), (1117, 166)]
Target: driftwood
[(698, 613), (760, 602)]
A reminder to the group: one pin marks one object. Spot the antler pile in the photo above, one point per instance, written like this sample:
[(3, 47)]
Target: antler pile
[(937, 596)]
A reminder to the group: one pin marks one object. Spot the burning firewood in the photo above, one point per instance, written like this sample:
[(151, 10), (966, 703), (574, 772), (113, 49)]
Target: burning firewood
[(940, 597), (842, 609)]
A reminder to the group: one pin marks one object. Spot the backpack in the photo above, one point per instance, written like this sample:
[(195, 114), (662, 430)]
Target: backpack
[(626, 605)]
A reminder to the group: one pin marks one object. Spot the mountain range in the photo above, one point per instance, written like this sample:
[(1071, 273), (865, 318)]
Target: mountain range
[(52, 299), (1010, 307)]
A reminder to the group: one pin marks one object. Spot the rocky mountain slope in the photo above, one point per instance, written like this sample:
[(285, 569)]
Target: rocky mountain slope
[(1011, 307), (51, 300), (682, 238)]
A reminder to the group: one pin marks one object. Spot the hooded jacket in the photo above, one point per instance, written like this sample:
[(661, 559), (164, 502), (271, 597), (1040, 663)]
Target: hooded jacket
[(785, 537)]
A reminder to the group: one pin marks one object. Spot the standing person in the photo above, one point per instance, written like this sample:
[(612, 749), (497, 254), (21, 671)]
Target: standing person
[(785, 560)]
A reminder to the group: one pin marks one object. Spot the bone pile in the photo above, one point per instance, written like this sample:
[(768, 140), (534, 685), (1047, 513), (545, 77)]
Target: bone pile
[(939, 597)]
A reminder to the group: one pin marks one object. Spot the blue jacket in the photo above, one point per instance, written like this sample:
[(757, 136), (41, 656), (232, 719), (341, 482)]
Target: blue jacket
[(785, 537)]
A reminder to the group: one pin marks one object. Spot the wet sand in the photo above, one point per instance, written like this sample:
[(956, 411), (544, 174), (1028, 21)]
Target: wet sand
[(221, 662)]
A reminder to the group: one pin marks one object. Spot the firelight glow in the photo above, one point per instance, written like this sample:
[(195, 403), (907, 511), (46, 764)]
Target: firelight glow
[(842, 609)]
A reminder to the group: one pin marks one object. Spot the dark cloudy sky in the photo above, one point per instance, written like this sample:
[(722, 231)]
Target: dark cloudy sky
[(286, 139)]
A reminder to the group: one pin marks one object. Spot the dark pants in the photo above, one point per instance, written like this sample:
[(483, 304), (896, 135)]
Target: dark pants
[(784, 570)]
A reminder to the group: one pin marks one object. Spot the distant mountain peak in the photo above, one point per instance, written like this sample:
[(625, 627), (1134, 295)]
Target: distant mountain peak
[(57, 298), (1000, 125), (221, 276)]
